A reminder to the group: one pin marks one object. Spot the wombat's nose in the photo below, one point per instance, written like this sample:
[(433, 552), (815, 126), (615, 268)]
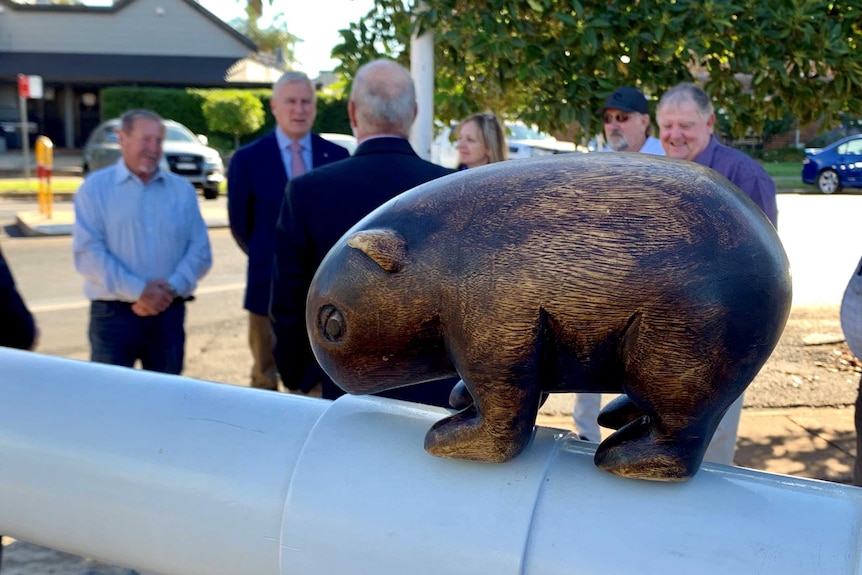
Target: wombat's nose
[(332, 323)]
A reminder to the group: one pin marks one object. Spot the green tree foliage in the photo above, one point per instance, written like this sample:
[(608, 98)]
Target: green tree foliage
[(254, 8), (273, 40), (332, 115), (234, 112), (552, 62)]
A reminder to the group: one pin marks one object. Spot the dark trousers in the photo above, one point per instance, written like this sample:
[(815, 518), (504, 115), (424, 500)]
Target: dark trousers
[(857, 469), (120, 337)]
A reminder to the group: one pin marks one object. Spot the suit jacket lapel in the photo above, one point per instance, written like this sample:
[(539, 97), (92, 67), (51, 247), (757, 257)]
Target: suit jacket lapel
[(319, 152)]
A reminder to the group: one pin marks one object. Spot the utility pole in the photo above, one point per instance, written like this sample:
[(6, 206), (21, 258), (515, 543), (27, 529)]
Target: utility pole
[(422, 70)]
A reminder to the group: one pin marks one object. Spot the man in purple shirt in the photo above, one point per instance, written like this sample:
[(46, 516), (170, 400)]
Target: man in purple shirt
[(686, 120)]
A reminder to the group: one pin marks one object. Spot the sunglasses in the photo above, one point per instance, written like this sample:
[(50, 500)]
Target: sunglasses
[(620, 118)]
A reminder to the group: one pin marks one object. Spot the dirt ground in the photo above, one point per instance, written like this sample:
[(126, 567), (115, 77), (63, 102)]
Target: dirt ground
[(810, 367)]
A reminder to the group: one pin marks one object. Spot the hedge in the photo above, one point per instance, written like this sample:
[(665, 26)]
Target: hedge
[(185, 105)]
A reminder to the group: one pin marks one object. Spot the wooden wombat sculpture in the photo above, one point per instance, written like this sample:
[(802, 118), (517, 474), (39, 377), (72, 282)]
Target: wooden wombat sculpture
[(578, 273)]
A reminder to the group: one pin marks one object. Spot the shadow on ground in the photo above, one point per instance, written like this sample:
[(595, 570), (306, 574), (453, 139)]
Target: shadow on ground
[(13, 231), (22, 558), (824, 454)]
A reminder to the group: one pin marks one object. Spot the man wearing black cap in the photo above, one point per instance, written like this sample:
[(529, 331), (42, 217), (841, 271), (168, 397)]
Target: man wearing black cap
[(627, 123), (627, 129)]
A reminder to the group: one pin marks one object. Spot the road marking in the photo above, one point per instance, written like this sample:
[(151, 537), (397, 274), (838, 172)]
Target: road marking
[(83, 303)]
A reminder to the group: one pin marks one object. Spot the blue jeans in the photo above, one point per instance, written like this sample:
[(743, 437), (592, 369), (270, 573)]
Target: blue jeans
[(120, 337)]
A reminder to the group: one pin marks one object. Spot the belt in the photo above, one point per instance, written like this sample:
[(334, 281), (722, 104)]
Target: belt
[(175, 301)]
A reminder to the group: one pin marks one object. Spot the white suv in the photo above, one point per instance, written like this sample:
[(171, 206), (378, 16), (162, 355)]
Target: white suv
[(525, 142), (522, 142)]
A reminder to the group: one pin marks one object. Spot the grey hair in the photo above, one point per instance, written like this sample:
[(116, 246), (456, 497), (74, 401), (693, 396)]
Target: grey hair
[(128, 119), (687, 92), (292, 76), (384, 97)]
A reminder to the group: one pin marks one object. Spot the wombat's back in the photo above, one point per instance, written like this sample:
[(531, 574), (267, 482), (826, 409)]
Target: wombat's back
[(600, 221)]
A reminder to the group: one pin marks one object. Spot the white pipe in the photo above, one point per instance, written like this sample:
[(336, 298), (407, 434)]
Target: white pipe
[(178, 476), (157, 472), (422, 70)]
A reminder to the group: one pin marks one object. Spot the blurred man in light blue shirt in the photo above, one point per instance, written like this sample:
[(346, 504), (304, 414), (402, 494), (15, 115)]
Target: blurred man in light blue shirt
[(141, 244)]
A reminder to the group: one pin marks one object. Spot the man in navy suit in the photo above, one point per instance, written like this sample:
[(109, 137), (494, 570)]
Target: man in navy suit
[(322, 205), (257, 177)]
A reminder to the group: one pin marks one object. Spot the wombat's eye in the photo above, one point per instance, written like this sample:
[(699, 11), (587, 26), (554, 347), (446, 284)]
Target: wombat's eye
[(332, 323)]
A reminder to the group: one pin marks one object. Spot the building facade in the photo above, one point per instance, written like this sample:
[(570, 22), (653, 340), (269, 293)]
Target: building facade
[(78, 50)]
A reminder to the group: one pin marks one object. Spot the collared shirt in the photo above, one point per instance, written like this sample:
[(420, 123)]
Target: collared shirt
[(287, 155), (652, 145), (127, 233), (743, 171)]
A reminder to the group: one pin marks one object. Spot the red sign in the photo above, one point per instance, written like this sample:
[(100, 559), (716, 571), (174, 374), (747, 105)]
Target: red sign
[(23, 86), (30, 86)]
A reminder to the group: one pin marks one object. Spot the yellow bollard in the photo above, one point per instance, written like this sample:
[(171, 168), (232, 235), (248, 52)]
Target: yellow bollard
[(44, 165)]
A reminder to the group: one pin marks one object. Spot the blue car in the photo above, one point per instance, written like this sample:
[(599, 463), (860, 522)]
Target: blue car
[(835, 166)]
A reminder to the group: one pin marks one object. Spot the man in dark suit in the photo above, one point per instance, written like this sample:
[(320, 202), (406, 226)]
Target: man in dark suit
[(257, 178), (17, 326), (322, 205)]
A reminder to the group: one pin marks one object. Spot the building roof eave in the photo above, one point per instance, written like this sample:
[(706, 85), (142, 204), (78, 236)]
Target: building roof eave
[(102, 69), (121, 4)]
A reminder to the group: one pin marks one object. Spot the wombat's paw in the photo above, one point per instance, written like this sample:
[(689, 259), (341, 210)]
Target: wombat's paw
[(636, 451), (618, 412), (461, 437)]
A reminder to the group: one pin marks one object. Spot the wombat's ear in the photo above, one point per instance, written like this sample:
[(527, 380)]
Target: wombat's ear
[(386, 247)]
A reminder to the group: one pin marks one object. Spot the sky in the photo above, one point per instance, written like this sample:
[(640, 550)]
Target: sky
[(316, 22)]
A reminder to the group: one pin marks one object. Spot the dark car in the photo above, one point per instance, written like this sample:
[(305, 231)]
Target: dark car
[(186, 154), (836, 166)]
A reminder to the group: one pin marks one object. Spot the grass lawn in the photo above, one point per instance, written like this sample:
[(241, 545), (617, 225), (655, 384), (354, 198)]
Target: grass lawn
[(20, 185), (787, 176), (782, 169)]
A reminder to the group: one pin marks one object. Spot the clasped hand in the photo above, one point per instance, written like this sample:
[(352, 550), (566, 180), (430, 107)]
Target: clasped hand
[(155, 298)]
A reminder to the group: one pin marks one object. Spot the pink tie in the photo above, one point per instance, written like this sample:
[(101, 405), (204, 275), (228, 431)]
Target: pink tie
[(297, 164)]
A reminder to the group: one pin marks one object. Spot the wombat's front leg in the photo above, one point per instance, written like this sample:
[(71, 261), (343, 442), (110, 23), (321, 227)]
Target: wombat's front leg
[(494, 429), (619, 412)]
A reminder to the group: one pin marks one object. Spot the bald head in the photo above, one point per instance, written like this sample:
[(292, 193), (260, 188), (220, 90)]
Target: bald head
[(382, 100)]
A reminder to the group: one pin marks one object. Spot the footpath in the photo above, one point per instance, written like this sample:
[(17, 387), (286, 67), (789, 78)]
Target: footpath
[(68, 167)]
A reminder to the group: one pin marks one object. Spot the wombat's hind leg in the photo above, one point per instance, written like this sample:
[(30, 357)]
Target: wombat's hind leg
[(618, 412), (638, 450), (494, 429)]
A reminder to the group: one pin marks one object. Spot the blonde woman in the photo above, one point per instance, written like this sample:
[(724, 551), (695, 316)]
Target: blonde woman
[(480, 140)]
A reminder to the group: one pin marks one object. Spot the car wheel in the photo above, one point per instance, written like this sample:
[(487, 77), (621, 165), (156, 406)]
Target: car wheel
[(828, 182), (210, 193)]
